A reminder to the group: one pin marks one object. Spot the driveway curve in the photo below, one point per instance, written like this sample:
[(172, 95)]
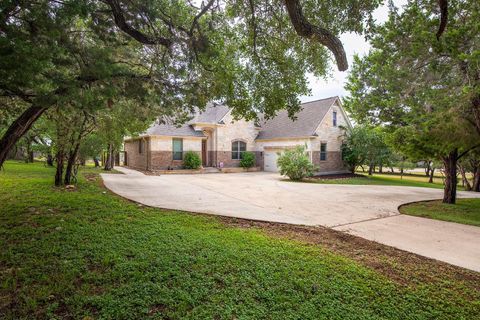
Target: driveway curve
[(367, 211)]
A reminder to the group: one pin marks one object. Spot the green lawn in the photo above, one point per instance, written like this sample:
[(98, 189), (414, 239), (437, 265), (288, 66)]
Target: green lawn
[(88, 254), (387, 180), (466, 211)]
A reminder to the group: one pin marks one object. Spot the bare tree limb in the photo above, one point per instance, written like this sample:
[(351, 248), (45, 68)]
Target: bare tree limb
[(443, 5), (316, 33), (121, 23)]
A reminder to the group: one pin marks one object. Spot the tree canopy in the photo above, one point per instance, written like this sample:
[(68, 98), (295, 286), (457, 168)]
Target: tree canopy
[(169, 56), (424, 88)]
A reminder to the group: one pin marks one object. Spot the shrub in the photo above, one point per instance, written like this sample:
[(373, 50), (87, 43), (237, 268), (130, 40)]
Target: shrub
[(295, 164), (248, 160), (191, 160)]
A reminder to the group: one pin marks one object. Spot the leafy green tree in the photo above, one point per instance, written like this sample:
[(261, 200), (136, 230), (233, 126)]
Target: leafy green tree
[(470, 164), (168, 56), (423, 88), (365, 145), (295, 164)]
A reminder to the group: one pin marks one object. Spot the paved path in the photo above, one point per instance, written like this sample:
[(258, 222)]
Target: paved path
[(367, 211)]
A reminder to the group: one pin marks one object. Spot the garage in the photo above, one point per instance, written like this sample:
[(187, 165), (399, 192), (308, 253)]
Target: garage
[(270, 160)]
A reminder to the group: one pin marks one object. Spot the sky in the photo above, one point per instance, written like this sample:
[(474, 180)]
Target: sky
[(353, 44)]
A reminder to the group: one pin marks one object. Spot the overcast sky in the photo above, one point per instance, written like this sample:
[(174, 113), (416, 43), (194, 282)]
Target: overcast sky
[(353, 44)]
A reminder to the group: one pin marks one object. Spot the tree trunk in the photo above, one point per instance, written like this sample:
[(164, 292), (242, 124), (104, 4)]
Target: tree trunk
[(465, 181), (432, 171), (392, 170), (370, 169), (476, 181), (49, 160), (72, 157), (450, 164), (427, 168), (59, 172), (97, 164), (380, 169), (17, 129), (109, 160)]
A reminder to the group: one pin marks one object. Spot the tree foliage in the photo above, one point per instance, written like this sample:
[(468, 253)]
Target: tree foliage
[(169, 57), (425, 90)]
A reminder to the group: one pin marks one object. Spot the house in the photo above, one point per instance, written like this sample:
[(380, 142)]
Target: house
[(220, 140)]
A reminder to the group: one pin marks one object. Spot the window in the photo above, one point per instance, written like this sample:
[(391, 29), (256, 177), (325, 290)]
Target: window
[(177, 146), (140, 146), (334, 118), (323, 151), (238, 148)]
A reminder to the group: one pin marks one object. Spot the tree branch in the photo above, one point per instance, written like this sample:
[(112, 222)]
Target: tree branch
[(316, 33), (200, 14), (121, 23), (443, 5), (467, 151)]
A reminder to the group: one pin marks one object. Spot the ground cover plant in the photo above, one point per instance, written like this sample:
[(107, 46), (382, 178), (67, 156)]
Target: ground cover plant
[(467, 211), (86, 253)]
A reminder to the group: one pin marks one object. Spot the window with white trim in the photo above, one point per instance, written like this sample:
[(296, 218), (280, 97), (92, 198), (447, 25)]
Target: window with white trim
[(323, 151), (238, 148), (177, 147), (334, 118)]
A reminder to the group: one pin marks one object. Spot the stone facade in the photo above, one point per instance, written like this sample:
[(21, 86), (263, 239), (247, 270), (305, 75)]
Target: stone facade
[(157, 153)]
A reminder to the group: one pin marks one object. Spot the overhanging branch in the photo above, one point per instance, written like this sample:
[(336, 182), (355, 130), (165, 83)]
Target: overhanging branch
[(443, 5), (316, 33), (121, 23)]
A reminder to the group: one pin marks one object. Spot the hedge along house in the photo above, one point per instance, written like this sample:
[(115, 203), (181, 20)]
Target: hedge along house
[(220, 140)]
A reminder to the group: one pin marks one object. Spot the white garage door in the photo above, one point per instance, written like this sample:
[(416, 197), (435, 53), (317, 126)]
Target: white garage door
[(270, 161)]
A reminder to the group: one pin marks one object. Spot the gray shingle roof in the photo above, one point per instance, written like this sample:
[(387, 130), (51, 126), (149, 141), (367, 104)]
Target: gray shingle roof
[(213, 114), (308, 119), (281, 126), (185, 130)]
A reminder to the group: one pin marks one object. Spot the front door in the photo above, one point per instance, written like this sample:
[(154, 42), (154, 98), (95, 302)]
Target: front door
[(204, 153)]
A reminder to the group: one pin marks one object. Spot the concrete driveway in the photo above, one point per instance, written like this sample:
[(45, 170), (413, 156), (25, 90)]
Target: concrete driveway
[(367, 211)]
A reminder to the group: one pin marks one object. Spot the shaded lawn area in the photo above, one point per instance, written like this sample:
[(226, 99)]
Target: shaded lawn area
[(88, 253), (466, 211), (385, 179)]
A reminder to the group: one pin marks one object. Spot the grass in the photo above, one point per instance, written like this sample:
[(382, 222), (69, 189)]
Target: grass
[(88, 254), (466, 211), (409, 180)]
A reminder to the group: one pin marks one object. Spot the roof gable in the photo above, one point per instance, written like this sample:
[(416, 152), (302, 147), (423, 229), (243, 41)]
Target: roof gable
[(308, 119)]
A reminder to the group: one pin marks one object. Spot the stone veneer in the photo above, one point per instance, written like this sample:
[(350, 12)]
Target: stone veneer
[(157, 154)]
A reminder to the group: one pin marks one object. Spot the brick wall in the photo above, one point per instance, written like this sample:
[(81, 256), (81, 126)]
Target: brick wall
[(134, 159), (163, 160), (334, 161), (228, 162)]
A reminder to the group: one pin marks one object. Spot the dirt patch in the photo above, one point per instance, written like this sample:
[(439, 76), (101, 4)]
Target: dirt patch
[(403, 267), (337, 176), (90, 176)]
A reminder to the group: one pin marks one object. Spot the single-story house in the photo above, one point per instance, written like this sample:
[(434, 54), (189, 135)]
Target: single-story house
[(220, 140)]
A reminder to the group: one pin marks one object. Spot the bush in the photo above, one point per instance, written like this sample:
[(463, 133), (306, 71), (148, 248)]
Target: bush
[(191, 160), (248, 160), (295, 164)]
